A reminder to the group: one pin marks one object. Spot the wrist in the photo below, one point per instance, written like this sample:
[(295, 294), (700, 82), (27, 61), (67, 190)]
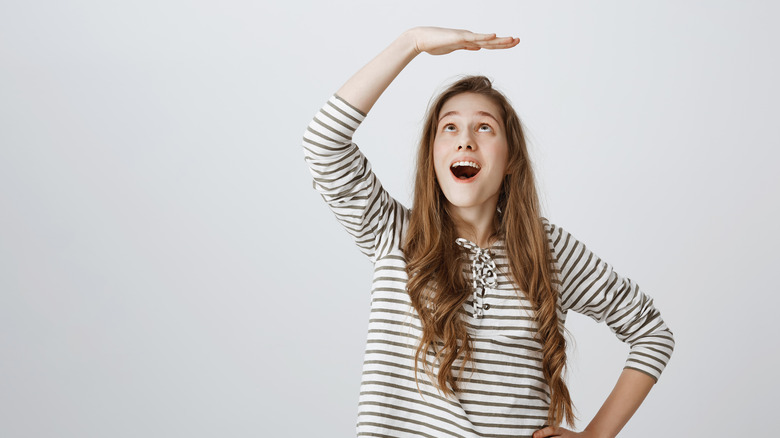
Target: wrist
[(408, 39)]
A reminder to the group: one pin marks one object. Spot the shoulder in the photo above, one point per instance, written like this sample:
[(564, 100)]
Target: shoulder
[(553, 231), (562, 243)]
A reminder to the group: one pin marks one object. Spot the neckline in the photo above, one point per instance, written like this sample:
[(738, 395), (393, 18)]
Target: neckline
[(467, 244)]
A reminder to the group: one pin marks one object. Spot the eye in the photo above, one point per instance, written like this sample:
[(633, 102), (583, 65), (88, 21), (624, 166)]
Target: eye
[(448, 128), (485, 128)]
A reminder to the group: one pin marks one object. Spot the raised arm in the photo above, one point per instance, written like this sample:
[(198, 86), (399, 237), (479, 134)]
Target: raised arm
[(342, 174), (364, 88)]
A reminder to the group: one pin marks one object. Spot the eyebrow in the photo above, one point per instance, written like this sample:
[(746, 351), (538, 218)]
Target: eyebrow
[(455, 113)]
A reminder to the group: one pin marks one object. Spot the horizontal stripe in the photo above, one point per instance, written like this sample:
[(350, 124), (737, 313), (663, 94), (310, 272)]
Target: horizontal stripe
[(503, 392)]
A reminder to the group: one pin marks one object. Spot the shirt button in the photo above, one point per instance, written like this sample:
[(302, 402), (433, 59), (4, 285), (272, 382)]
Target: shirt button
[(487, 306)]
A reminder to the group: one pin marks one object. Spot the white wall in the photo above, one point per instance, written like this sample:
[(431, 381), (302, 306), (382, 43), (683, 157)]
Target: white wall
[(167, 270)]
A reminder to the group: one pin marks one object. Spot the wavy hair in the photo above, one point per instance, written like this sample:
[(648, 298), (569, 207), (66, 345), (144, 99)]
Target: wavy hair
[(437, 286)]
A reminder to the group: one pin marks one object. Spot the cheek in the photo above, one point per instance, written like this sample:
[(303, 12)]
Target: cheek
[(438, 149), (438, 161), (502, 155)]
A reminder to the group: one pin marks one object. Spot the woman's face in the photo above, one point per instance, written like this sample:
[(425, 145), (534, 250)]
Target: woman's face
[(470, 151)]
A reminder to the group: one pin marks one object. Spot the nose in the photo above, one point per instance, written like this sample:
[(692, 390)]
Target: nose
[(466, 141)]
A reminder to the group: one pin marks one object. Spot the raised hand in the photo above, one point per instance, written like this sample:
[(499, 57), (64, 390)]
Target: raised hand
[(440, 41), (364, 88)]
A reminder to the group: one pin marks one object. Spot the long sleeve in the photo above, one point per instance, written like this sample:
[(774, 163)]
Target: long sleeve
[(590, 286), (343, 176)]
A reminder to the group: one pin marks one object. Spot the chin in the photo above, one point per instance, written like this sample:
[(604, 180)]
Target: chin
[(466, 201), (463, 203)]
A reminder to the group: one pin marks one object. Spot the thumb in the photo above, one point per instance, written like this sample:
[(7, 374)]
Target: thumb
[(482, 36)]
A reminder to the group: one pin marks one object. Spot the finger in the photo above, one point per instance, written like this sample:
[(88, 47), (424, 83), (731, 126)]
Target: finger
[(481, 36), (504, 43), (547, 431), (496, 39), (499, 42), (469, 46)]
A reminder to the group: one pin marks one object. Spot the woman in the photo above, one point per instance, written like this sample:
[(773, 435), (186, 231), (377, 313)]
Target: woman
[(472, 285)]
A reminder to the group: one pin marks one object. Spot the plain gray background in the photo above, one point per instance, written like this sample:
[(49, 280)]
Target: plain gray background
[(167, 270)]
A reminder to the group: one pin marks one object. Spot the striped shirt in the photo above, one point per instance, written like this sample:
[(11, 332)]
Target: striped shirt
[(504, 393)]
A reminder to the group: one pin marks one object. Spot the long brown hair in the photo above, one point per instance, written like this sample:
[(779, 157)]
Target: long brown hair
[(436, 285)]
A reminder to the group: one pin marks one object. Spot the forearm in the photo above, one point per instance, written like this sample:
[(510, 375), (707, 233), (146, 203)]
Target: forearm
[(630, 390), (363, 89)]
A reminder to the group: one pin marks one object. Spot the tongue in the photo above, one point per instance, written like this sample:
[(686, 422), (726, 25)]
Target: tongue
[(464, 172)]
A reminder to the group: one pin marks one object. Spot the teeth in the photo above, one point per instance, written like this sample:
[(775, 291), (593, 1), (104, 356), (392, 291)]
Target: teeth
[(465, 163)]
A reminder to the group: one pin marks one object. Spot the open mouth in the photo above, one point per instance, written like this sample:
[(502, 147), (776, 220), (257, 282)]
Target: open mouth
[(464, 169)]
